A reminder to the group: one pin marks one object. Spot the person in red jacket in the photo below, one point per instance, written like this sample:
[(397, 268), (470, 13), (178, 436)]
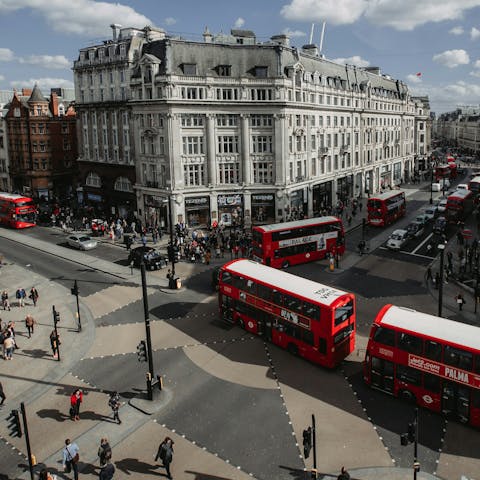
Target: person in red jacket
[(75, 400)]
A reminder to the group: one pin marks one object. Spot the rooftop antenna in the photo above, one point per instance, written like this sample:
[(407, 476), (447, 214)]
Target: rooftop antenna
[(321, 39), (311, 33)]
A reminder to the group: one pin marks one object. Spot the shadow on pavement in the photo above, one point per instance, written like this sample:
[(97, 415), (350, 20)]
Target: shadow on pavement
[(204, 476), (132, 465)]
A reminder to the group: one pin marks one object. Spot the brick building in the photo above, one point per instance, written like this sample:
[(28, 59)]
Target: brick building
[(42, 144)]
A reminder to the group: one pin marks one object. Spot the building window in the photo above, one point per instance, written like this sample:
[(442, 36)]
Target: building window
[(189, 68), (261, 120), (192, 145), (262, 144), (229, 173), (261, 72), (227, 120), (227, 94), (261, 94), (224, 70), (192, 120), (193, 175), (93, 180), (123, 184), (263, 172), (227, 144)]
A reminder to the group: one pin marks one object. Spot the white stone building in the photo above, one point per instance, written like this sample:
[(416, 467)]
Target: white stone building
[(242, 132)]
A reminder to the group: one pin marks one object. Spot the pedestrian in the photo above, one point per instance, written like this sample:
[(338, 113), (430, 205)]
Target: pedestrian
[(54, 343), (460, 301), (75, 400), (18, 296), (208, 257), (429, 274), (344, 475), (144, 240), (2, 394), (114, 404), (29, 323), (8, 346), (45, 475), (165, 454), (34, 296), (104, 451), (71, 455), (106, 471), (23, 296), (5, 301)]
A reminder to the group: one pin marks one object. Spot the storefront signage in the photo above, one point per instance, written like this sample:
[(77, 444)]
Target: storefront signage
[(94, 197), (197, 201), (261, 198), (230, 200), (445, 371)]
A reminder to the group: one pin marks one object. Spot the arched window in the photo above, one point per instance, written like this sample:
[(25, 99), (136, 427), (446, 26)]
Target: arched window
[(123, 184), (93, 180)]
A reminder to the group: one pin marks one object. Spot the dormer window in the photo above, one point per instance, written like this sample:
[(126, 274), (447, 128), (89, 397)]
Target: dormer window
[(224, 70), (261, 72), (189, 68)]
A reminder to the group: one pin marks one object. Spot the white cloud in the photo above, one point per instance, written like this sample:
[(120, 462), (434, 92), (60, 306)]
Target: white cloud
[(452, 58), (413, 78), (47, 61), (81, 17), (476, 64), (354, 60), (170, 21), (405, 15), (5, 55), (2, 78), (336, 12), (45, 84), (474, 33), (239, 22), (456, 30), (293, 33), (475, 73)]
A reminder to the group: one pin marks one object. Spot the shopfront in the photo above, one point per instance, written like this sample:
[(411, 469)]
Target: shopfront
[(230, 210), (385, 177), (298, 204), (263, 208), (197, 211), (345, 188), (322, 197), (156, 210)]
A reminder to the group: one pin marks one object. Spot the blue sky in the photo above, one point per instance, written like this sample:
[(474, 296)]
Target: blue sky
[(438, 38)]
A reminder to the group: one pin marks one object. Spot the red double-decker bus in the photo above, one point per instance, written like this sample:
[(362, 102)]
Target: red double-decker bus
[(307, 318), (283, 244), (459, 205), (385, 208), (17, 211), (446, 171), (430, 360)]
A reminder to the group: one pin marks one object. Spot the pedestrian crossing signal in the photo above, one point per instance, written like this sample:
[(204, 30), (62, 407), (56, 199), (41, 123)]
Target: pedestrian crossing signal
[(142, 351), (14, 424), (307, 442)]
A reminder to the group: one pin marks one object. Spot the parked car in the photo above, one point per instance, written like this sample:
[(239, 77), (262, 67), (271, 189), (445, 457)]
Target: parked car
[(430, 212), (442, 206), (414, 229), (153, 258), (422, 219), (81, 241), (397, 239), (440, 225)]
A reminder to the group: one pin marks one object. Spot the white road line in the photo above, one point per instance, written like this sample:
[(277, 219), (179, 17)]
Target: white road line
[(423, 243)]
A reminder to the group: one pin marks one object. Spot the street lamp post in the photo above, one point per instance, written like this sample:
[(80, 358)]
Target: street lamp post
[(431, 184), (147, 330), (441, 247), (170, 220)]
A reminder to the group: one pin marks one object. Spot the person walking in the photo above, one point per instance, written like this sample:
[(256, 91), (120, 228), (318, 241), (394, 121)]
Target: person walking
[(114, 404), (5, 301), (34, 296), (29, 323), (8, 346), (106, 471), (165, 454), (75, 400), (2, 394), (23, 296), (71, 455), (54, 343), (460, 301), (344, 475), (104, 451), (429, 274)]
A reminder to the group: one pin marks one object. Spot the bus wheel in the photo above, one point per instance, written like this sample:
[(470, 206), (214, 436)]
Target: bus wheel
[(285, 264), (293, 349), (407, 396)]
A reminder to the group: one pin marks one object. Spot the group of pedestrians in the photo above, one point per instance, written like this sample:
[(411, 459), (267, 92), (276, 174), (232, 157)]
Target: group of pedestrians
[(20, 296), (7, 339)]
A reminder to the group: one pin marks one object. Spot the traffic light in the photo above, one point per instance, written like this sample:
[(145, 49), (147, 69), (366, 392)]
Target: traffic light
[(14, 424), (307, 442), (74, 289), (56, 317), (142, 351), (171, 253), (411, 432)]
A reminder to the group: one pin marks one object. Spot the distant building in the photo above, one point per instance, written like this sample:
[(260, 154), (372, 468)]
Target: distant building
[(4, 161), (236, 131), (42, 144), (423, 133)]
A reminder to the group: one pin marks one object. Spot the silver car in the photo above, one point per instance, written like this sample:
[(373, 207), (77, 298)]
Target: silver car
[(81, 241)]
